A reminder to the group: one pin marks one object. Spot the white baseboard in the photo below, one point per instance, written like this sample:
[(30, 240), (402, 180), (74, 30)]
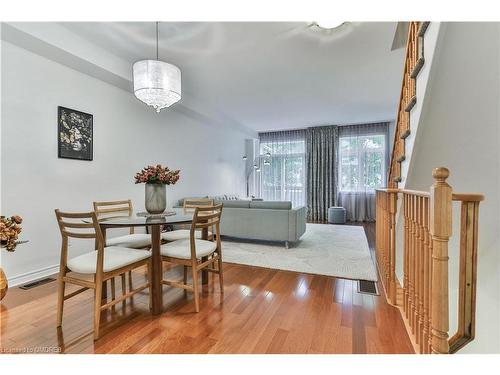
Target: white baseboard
[(32, 275)]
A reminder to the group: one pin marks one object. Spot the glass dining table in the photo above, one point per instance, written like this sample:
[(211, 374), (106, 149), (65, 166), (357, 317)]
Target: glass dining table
[(154, 225)]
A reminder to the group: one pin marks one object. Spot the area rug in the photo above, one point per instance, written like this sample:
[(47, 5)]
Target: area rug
[(332, 250)]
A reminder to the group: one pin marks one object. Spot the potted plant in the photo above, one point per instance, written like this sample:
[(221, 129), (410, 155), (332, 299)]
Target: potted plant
[(156, 178), (9, 233)]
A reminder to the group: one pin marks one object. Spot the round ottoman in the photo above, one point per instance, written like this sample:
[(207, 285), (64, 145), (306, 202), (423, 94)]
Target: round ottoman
[(336, 215)]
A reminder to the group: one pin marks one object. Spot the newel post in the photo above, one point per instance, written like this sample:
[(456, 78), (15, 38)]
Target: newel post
[(440, 228)]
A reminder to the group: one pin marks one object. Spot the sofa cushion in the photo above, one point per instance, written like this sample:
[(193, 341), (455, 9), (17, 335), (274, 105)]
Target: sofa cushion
[(234, 204), (225, 197), (273, 205)]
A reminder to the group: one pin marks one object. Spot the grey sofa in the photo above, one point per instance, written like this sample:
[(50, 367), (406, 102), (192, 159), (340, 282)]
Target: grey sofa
[(262, 220)]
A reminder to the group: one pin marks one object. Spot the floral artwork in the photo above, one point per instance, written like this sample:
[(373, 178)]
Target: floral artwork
[(75, 137), (9, 231), (157, 175)]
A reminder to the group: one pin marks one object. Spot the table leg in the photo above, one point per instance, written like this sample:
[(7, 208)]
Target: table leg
[(157, 271), (104, 295), (204, 272)]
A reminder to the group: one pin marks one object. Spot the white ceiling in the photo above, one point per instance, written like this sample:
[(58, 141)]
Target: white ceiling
[(272, 75)]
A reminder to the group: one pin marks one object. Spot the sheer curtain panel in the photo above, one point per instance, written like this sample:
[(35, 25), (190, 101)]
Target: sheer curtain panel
[(281, 165), (363, 161)]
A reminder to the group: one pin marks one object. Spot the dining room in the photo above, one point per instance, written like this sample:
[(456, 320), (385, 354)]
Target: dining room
[(131, 224), (166, 189)]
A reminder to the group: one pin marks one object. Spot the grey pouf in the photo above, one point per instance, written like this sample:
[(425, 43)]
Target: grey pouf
[(336, 215)]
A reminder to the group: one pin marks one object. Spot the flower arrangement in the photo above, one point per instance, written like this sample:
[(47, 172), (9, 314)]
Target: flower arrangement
[(157, 175), (9, 231)]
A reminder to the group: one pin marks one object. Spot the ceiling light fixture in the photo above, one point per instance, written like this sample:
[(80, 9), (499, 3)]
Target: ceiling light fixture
[(157, 83), (328, 24)]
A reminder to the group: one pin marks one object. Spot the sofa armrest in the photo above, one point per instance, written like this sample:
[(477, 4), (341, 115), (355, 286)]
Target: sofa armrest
[(296, 223)]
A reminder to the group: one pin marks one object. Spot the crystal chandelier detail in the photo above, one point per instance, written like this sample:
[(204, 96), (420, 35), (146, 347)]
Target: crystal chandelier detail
[(157, 83)]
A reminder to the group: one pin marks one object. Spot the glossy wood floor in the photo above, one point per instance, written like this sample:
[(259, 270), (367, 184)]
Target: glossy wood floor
[(261, 311)]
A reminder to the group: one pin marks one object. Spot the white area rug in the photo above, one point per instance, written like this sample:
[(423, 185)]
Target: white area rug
[(325, 249)]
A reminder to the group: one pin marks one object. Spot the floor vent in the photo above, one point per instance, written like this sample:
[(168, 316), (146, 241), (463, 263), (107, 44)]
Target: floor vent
[(367, 287), (34, 284)]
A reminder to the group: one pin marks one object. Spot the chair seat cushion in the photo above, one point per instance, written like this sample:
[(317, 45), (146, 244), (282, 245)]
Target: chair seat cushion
[(182, 249), (134, 241), (114, 257), (180, 234)]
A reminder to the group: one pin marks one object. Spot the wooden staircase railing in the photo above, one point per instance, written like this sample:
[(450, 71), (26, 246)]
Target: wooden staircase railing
[(423, 296), (413, 64)]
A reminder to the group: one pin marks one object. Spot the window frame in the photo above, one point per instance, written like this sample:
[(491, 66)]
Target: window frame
[(361, 157)]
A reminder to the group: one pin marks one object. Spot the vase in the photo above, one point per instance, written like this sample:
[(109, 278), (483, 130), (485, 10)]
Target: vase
[(156, 198), (3, 284)]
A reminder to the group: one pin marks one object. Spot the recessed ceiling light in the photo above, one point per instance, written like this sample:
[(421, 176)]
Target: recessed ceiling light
[(328, 24)]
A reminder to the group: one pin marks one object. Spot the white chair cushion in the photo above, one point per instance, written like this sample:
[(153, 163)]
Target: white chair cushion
[(134, 241), (114, 257), (182, 249), (180, 234)]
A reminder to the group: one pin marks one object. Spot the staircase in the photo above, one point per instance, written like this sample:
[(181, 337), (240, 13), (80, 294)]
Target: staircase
[(414, 61), (424, 231)]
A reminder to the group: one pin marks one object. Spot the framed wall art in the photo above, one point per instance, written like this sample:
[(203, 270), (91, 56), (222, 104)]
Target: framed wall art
[(75, 134)]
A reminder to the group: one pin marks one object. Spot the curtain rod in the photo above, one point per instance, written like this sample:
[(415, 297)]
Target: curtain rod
[(320, 126)]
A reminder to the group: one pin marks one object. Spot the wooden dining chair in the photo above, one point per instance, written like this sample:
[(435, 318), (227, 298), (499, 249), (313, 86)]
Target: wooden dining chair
[(108, 210), (189, 205), (197, 253), (103, 263)]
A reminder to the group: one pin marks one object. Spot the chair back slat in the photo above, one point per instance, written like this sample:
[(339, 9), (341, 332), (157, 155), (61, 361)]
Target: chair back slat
[(209, 224), (68, 224), (205, 217), (102, 211), (78, 235), (112, 203), (81, 224), (108, 210), (74, 215), (190, 204)]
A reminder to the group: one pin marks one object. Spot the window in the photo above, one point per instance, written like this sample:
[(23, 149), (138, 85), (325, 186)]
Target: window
[(362, 162), (282, 165)]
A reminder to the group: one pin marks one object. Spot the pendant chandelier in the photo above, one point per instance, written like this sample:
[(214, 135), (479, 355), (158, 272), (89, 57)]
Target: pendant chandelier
[(157, 83)]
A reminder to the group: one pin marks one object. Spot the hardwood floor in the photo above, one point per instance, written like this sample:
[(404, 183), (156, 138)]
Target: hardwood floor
[(261, 311)]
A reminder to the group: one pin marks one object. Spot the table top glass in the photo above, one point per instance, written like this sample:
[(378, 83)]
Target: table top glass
[(134, 220)]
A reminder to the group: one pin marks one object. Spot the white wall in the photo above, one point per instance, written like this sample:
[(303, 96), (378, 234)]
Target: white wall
[(460, 130), (127, 136), (431, 38)]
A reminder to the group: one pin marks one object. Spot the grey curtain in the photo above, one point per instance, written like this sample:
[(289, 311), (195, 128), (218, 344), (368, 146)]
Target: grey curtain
[(321, 171), (357, 183)]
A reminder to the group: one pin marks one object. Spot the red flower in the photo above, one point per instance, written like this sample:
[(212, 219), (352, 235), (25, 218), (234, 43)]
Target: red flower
[(17, 219), (157, 175)]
